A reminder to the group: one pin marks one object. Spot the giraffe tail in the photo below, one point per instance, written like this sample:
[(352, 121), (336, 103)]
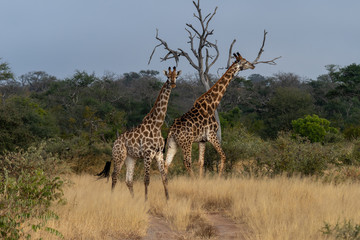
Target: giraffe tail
[(105, 173), (165, 140)]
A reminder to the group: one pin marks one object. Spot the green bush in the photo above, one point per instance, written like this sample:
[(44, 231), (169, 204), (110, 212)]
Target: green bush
[(83, 157), (298, 155), (35, 157), (22, 122), (29, 183), (25, 201), (313, 127), (238, 145), (352, 132), (347, 230)]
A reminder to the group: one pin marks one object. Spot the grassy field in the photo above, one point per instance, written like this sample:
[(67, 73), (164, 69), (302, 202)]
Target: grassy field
[(278, 208)]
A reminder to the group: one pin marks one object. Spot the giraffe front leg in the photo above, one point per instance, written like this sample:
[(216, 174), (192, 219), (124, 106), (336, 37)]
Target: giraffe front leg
[(130, 165), (215, 142), (201, 157), (160, 162)]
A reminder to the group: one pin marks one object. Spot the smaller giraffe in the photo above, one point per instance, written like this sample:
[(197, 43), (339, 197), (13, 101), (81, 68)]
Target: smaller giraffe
[(199, 124), (144, 141)]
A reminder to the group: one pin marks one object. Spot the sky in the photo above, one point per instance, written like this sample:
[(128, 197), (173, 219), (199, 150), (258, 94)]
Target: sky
[(60, 37)]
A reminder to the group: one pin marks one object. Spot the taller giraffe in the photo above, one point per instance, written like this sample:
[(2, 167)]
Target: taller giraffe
[(144, 141), (199, 124)]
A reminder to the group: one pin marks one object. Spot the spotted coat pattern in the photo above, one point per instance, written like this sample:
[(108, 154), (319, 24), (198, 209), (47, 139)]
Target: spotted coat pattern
[(145, 141), (199, 124)]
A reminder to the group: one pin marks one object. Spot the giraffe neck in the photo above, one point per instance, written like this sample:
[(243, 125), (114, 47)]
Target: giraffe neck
[(157, 114), (211, 99)]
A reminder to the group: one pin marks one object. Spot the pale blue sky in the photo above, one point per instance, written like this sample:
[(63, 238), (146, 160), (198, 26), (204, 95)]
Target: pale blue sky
[(59, 37)]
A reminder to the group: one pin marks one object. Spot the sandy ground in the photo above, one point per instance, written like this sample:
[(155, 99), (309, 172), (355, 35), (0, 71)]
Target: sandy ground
[(224, 229)]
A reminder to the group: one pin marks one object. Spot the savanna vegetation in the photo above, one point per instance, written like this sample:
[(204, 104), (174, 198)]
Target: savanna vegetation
[(289, 141)]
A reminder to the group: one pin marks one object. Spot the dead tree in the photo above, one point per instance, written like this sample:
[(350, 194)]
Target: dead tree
[(200, 46)]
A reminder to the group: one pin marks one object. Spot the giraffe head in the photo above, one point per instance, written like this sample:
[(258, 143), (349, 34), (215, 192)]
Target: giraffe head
[(243, 63), (172, 76)]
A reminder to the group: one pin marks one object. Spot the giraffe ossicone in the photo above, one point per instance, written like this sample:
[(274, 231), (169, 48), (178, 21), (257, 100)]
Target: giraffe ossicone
[(144, 141)]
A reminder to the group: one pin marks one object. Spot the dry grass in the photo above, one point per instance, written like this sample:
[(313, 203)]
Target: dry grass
[(93, 212), (279, 208)]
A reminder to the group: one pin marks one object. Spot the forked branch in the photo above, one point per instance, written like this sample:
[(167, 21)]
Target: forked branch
[(171, 53), (256, 61), (272, 61)]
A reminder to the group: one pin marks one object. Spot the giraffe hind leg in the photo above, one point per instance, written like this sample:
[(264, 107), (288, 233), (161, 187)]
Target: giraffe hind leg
[(118, 155), (171, 151), (147, 163), (201, 157), (160, 162), (130, 165), (215, 142), (187, 158)]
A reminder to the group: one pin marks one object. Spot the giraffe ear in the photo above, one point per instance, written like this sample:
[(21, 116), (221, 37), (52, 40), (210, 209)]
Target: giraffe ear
[(179, 72), (165, 72)]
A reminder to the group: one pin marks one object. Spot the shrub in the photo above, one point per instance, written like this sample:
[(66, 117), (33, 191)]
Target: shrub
[(298, 155), (313, 127), (28, 185), (352, 132), (23, 121), (347, 230), (35, 157), (238, 145), (25, 201)]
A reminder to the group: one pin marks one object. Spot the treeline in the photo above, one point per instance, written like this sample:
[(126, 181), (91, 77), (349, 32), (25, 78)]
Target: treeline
[(38, 106)]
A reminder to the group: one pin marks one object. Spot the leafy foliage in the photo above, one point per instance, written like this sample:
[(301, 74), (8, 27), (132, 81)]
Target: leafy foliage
[(290, 156), (5, 72), (23, 121), (313, 127), (28, 186)]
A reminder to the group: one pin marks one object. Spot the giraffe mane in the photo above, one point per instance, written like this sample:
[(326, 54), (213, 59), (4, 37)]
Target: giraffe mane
[(210, 89), (157, 99)]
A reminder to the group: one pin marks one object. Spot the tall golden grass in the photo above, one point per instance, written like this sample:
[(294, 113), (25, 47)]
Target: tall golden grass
[(277, 208)]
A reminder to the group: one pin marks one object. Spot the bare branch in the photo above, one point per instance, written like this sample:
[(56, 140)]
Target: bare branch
[(192, 43), (262, 47), (171, 53), (208, 21), (153, 52), (186, 55), (191, 26), (197, 6), (206, 17), (214, 45), (271, 62), (230, 53), (256, 61)]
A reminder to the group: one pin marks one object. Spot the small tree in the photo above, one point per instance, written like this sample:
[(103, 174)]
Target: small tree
[(313, 127), (6, 77)]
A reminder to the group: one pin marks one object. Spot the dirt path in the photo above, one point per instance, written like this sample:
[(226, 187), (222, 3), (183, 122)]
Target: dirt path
[(225, 229), (159, 229)]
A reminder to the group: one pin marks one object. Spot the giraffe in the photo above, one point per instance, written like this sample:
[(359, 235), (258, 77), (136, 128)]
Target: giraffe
[(144, 141), (199, 124)]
